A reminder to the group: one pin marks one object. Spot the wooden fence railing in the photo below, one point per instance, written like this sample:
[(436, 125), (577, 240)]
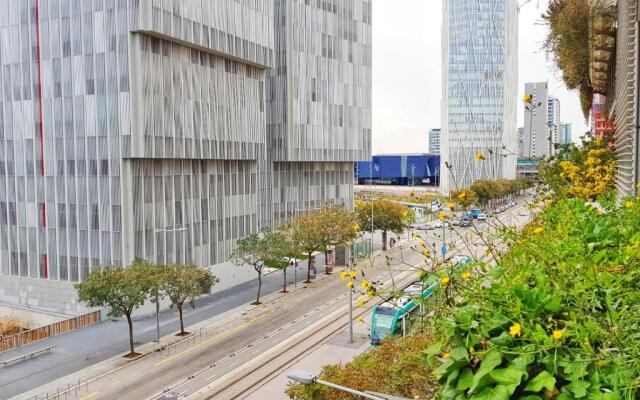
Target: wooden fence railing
[(33, 335)]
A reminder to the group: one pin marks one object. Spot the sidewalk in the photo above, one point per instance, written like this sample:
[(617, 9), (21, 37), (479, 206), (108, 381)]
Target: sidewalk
[(337, 350)]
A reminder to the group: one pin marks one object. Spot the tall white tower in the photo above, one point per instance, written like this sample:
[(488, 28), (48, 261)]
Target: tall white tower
[(479, 96)]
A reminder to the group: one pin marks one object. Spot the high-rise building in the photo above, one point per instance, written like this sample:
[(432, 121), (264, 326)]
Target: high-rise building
[(553, 121), (480, 50), (521, 141), (565, 133), (541, 121), (434, 141), (319, 102), (139, 129)]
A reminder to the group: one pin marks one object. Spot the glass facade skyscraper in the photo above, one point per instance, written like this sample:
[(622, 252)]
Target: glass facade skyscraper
[(138, 128), (479, 45)]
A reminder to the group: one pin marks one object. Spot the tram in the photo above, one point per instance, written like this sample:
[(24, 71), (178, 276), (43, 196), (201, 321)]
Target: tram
[(394, 316)]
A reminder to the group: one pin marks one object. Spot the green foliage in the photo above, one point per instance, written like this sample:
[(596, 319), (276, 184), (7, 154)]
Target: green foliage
[(182, 283), (568, 43), (486, 189), (122, 290), (558, 316), (397, 367), (383, 215)]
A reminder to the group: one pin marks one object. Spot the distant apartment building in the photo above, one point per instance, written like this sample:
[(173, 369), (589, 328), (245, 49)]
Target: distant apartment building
[(434, 141), (600, 124), (541, 121), (553, 122), (479, 97), (521, 141), (565, 133), (168, 130)]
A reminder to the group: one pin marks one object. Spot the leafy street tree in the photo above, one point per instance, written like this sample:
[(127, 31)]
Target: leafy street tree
[(383, 215), (254, 250), (338, 227), (185, 283), (122, 290), (307, 233), (282, 249)]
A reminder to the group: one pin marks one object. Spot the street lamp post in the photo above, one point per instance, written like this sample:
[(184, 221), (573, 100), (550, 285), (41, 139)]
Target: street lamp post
[(351, 299), (306, 378)]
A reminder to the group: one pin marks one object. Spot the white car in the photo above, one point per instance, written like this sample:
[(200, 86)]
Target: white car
[(437, 224), (482, 216)]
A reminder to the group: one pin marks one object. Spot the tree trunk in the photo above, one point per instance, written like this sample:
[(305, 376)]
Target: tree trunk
[(259, 287), (326, 261), (181, 320), (284, 286), (308, 270), (131, 349), (384, 240)]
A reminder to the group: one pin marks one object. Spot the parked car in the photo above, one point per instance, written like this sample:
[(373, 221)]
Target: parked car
[(475, 212), (437, 224), (482, 216), (464, 222), (455, 222)]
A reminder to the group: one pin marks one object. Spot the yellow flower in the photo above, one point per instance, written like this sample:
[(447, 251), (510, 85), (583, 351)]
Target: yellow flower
[(426, 252), (411, 194), (451, 206), (557, 334), (446, 356), (405, 214), (352, 274), (350, 284), (416, 235), (515, 330), (362, 301), (364, 284), (442, 216), (359, 319), (423, 244), (479, 156), (444, 281), (466, 275), (356, 228), (420, 274), (370, 293), (538, 230), (462, 195), (344, 275), (628, 204), (527, 98)]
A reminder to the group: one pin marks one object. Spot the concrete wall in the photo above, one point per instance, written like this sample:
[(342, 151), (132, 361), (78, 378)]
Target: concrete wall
[(30, 318), (40, 295)]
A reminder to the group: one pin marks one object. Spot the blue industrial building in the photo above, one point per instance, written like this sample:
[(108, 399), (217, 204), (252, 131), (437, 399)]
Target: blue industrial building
[(400, 169)]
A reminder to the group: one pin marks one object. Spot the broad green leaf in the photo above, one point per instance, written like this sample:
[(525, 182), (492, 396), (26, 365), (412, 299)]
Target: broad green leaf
[(509, 377), (578, 388), (491, 360), (433, 349), (492, 393), (465, 380), (553, 304), (522, 362), (459, 354), (543, 380)]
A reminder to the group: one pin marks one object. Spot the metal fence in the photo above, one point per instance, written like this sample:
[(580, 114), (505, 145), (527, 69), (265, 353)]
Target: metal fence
[(34, 335)]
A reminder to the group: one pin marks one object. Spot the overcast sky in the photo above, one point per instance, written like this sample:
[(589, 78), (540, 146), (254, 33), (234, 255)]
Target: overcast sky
[(407, 70)]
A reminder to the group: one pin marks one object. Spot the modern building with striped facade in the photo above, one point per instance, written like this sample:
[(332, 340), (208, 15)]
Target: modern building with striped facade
[(479, 91), (319, 102), (139, 128)]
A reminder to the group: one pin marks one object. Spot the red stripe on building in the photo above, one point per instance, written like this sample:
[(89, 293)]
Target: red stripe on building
[(38, 63)]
